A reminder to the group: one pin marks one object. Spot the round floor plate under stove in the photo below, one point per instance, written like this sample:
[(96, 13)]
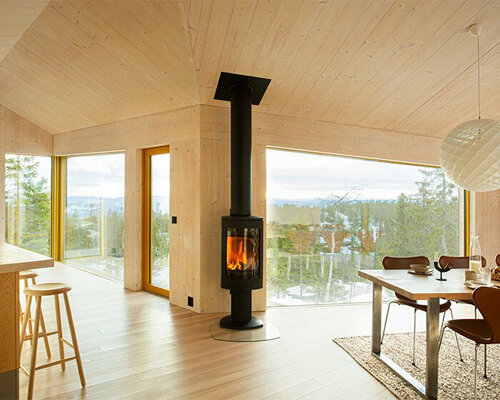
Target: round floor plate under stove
[(267, 332)]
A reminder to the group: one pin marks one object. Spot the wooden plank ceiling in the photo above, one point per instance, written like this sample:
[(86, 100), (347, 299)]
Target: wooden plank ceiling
[(15, 17), (398, 65)]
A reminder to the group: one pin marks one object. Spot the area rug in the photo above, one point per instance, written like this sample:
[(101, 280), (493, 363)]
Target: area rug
[(456, 379)]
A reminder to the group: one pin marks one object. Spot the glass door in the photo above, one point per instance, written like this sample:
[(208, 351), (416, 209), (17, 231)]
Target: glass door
[(156, 200)]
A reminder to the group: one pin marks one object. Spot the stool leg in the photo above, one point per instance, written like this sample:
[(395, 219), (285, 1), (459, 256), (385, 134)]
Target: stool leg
[(73, 338), (26, 318), (44, 329), (34, 347), (30, 323), (21, 315), (59, 331)]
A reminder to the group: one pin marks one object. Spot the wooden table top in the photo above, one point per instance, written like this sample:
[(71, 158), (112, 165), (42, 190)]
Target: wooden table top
[(14, 259), (422, 287)]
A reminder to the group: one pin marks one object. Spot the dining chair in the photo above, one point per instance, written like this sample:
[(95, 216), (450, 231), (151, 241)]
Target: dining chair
[(481, 331), (460, 263), (391, 263), (497, 260), (463, 263)]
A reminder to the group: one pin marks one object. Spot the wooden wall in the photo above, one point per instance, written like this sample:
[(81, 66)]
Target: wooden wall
[(200, 179), (283, 132), (180, 130), (488, 224)]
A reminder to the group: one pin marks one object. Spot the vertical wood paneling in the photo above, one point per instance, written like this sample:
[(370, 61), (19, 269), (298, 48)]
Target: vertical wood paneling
[(214, 203), (133, 219), (488, 224), (9, 325), (185, 272)]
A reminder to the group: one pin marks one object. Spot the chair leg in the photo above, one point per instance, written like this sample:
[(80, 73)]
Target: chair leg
[(456, 338), (34, 347), (385, 323), (44, 329), (475, 312), (59, 331), (485, 376), (26, 318), (414, 335), (475, 370), (441, 334), (73, 338)]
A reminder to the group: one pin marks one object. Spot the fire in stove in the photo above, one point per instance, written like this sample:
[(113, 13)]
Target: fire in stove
[(242, 253)]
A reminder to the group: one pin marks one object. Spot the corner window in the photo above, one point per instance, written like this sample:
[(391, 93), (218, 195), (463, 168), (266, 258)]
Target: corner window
[(328, 216)]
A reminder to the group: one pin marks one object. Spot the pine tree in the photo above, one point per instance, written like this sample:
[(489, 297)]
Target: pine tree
[(27, 205)]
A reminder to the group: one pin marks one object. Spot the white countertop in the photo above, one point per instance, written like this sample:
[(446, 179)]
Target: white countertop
[(14, 259)]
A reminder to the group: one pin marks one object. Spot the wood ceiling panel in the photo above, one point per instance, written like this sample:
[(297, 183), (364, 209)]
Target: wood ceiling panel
[(406, 52), (16, 16), (457, 102), (435, 72), (88, 63), (400, 65)]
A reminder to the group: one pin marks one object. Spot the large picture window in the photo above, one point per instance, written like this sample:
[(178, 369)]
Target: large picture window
[(329, 216), (28, 202), (94, 214)]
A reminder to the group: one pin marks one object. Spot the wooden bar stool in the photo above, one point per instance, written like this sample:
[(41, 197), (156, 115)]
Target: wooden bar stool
[(39, 291), (25, 276)]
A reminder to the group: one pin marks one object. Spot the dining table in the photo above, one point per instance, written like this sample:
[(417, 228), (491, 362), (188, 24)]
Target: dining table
[(416, 287), (13, 260)]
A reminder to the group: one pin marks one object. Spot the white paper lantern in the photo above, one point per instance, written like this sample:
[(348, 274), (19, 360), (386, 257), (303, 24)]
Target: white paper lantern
[(470, 155)]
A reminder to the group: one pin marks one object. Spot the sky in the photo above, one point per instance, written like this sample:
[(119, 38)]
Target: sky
[(104, 175), (96, 176), (306, 176), (290, 176)]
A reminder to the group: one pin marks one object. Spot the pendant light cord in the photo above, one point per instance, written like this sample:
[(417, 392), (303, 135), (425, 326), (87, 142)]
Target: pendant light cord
[(478, 80)]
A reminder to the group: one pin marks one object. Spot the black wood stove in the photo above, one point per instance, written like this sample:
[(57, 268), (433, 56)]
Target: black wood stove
[(242, 233)]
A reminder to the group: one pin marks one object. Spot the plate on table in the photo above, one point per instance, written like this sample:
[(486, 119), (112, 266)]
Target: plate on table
[(428, 272), (475, 284)]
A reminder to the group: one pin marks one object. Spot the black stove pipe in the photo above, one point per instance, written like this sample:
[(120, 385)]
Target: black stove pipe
[(241, 150)]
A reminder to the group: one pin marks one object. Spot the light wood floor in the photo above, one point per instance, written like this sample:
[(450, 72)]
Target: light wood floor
[(135, 345)]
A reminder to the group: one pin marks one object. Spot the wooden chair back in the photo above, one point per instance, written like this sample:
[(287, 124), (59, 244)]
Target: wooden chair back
[(403, 262), (458, 262), (487, 300)]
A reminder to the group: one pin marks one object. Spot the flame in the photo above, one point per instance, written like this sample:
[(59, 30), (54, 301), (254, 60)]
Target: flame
[(241, 253)]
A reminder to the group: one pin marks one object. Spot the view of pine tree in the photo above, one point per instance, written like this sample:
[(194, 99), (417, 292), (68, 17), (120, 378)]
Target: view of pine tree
[(317, 262), (160, 242), (27, 204)]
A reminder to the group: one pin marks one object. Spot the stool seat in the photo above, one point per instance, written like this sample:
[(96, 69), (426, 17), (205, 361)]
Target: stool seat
[(47, 289), (39, 291), (28, 274)]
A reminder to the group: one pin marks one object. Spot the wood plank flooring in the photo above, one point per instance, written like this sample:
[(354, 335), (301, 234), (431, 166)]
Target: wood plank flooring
[(135, 345)]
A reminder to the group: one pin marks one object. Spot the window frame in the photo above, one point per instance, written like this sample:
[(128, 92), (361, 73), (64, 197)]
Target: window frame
[(464, 196), (59, 179), (146, 219)]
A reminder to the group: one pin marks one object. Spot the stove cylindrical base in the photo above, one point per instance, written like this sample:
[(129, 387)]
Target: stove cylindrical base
[(241, 312)]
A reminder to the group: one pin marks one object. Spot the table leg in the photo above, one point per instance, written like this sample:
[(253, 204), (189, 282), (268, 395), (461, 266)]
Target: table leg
[(432, 353), (376, 318)]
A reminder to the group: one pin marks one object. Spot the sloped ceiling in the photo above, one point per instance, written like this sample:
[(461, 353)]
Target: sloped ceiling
[(15, 17), (405, 66)]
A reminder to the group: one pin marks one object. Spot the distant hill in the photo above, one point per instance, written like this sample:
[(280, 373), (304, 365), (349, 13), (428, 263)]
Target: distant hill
[(82, 204)]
